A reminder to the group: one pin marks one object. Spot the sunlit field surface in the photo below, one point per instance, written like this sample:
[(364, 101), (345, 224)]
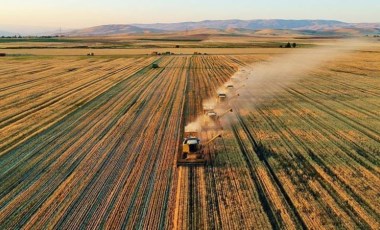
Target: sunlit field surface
[(92, 141)]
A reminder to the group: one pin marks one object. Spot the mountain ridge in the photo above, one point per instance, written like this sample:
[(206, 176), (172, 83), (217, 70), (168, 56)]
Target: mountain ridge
[(306, 26), (323, 26), (255, 24)]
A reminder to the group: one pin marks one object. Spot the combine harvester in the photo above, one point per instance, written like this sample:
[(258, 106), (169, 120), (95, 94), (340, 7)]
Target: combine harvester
[(230, 86), (209, 112), (222, 97), (212, 118), (193, 153)]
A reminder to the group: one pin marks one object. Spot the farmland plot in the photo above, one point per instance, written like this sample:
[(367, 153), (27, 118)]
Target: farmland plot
[(92, 143), (305, 158)]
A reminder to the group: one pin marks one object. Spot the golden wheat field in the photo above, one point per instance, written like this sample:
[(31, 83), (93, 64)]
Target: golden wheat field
[(92, 142)]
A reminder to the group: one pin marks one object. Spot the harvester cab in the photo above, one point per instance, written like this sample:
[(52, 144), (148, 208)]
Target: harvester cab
[(222, 97), (191, 145), (211, 114), (192, 150)]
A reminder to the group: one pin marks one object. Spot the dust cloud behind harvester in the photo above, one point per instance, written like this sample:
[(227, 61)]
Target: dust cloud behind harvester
[(271, 78)]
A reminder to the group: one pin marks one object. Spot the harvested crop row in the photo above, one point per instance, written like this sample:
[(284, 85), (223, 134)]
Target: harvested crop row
[(100, 151), (39, 160), (65, 169), (304, 155), (52, 98), (322, 154), (216, 197)]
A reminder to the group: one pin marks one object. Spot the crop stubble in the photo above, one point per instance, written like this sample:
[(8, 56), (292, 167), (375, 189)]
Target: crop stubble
[(93, 143)]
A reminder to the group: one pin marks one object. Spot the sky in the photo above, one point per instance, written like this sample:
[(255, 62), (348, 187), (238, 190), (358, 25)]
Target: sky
[(85, 13)]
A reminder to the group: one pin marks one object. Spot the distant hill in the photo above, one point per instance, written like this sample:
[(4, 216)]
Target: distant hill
[(245, 24), (329, 27), (112, 30)]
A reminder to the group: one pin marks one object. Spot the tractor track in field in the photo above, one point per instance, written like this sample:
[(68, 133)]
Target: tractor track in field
[(316, 124), (105, 95), (265, 202), (327, 131), (11, 140), (311, 171), (371, 133), (354, 107), (29, 83), (89, 214), (343, 118), (12, 118), (262, 157)]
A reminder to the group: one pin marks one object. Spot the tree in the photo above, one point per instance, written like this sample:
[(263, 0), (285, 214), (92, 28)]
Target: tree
[(288, 45), (294, 45)]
